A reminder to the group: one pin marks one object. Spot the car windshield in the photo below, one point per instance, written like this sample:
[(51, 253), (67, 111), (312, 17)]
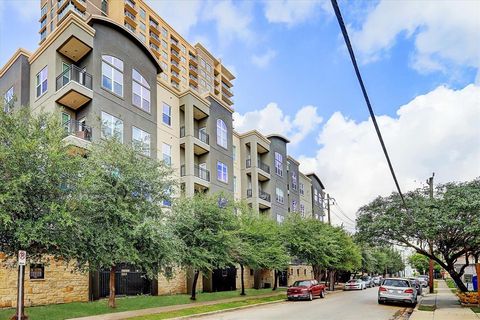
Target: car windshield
[(396, 283), (303, 283), (365, 278), (353, 281)]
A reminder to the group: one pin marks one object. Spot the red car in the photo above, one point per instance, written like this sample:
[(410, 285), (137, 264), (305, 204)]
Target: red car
[(305, 289)]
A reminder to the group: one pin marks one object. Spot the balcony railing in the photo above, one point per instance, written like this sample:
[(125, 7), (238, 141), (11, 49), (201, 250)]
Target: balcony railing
[(202, 136), (264, 196), (182, 132), (263, 166), (78, 129), (131, 16), (198, 171), (175, 53), (74, 73), (130, 3), (249, 193)]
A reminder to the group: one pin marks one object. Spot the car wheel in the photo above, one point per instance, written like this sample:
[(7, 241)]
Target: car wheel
[(290, 299), (310, 297), (322, 294), (380, 301)]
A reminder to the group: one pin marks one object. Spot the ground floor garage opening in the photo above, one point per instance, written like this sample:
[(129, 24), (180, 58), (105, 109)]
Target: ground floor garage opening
[(222, 280)]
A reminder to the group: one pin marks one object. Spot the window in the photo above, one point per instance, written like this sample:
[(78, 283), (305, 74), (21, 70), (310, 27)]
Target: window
[(167, 153), (8, 100), (112, 74), (167, 114), (164, 76), (51, 26), (104, 7), (42, 82), (234, 184), (142, 37), (66, 121), (43, 11), (302, 190), (294, 180), (143, 14), (143, 26), (183, 60), (302, 209), (234, 148), (164, 32), (315, 195), (141, 140), (202, 62), (111, 127), (209, 68), (280, 218), (164, 44), (141, 91), (221, 133), (279, 195), (165, 56), (294, 206), (183, 49), (278, 164), (222, 172), (37, 271)]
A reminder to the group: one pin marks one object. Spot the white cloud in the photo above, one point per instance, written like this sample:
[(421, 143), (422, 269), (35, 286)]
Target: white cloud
[(181, 15), (232, 20), (293, 12), (27, 10), (264, 60), (271, 119), (445, 33), (436, 132)]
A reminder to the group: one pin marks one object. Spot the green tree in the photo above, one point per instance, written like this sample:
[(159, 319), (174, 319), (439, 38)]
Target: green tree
[(422, 263), (260, 244), (443, 229), (37, 175), (206, 225), (119, 211)]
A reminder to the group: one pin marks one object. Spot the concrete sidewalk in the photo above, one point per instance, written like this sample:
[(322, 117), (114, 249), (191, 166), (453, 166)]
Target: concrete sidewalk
[(447, 306), (144, 312)]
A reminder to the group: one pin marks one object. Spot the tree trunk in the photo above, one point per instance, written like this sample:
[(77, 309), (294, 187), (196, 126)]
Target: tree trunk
[(243, 283), (326, 277), (331, 282), (317, 273), (458, 280), (275, 276), (194, 285), (111, 297)]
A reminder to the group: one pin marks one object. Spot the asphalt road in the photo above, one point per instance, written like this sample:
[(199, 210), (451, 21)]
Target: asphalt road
[(345, 305)]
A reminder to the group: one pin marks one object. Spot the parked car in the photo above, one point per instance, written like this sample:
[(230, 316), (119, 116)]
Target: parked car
[(426, 278), (355, 284), (397, 290), (305, 289), (416, 283), (368, 281), (377, 280), (423, 282)]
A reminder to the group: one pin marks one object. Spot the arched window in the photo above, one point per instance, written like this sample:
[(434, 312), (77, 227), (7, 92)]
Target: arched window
[(141, 91), (222, 133)]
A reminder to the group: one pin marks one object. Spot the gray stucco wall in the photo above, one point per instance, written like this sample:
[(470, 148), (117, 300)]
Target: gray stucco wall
[(293, 194), (18, 76), (217, 152), (278, 145), (317, 207), (109, 41)]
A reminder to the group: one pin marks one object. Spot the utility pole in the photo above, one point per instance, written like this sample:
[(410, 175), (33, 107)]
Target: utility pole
[(430, 269), (328, 209)]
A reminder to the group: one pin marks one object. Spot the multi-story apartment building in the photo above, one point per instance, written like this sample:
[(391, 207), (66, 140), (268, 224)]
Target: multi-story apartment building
[(97, 66)]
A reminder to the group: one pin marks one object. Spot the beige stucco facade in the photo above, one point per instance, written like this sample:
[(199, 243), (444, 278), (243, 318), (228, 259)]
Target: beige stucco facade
[(305, 195)]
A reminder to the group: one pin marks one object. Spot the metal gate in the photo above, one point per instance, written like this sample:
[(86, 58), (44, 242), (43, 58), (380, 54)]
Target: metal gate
[(129, 281)]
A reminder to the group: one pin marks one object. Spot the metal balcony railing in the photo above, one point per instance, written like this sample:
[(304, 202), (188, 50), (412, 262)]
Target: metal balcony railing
[(202, 136), (249, 193), (264, 196), (198, 172), (263, 166), (182, 131), (74, 73), (78, 129)]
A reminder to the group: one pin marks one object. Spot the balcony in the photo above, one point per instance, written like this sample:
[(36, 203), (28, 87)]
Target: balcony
[(175, 56), (193, 70), (63, 11), (154, 28), (193, 80), (264, 198), (227, 100), (264, 195), (74, 87), (131, 7), (131, 20), (174, 45), (198, 172), (263, 169), (200, 143), (78, 135), (193, 60), (226, 90)]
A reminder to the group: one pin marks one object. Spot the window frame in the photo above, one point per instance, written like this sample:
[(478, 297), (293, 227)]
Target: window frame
[(113, 128), (8, 99), (222, 134), (143, 144), (169, 115), (140, 81), (279, 195), (40, 85), (166, 146), (278, 164), (222, 172), (111, 76)]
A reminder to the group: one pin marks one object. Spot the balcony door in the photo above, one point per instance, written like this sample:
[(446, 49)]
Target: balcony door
[(65, 73), (66, 121)]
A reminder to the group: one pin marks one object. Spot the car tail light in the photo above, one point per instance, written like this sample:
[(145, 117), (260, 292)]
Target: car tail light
[(408, 291), (382, 289)]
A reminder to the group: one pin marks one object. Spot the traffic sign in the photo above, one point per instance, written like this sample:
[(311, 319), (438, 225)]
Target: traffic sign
[(22, 257)]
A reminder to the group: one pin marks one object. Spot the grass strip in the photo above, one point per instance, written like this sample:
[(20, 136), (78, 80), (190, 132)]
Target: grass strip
[(83, 309), (476, 309), (210, 308), (426, 308)]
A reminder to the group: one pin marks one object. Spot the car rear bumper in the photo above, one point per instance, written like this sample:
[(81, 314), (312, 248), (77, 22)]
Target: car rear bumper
[(396, 298), (298, 296), (353, 288)]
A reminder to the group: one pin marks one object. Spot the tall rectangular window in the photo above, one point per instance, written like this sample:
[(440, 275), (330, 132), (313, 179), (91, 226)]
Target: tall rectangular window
[(315, 195), (302, 189), (222, 172), (141, 91), (141, 140), (167, 153), (167, 114), (164, 32), (294, 180), (278, 164), (8, 100), (42, 82), (222, 133), (302, 209), (112, 74), (143, 26), (111, 127), (234, 153), (279, 195), (143, 14), (234, 184), (294, 206)]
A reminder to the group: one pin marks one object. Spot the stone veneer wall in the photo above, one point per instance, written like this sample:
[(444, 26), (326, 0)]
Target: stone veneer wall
[(175, 285), (61, 285), (299, 272), (248, 279)]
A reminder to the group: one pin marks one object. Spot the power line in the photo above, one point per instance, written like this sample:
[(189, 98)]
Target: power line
[(343, 219), (343, 213), (365, 95)]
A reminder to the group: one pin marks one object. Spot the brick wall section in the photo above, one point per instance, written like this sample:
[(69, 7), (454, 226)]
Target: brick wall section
[(60, 285), (299, 272), (247, 278), (175, 285)]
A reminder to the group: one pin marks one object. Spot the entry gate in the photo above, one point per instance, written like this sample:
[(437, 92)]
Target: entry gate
[(129, 281)]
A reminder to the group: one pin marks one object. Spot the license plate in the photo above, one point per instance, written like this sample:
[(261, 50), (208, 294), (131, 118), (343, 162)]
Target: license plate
[(295, 295)]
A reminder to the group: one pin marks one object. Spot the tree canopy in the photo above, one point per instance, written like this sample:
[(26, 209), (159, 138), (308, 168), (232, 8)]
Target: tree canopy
[(443, 228), (421, 263)]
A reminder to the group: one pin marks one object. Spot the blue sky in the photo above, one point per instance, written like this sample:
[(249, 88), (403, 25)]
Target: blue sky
[(289, 54)]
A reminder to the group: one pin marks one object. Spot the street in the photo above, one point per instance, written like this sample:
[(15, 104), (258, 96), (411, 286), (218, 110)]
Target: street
[(345, 305)]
